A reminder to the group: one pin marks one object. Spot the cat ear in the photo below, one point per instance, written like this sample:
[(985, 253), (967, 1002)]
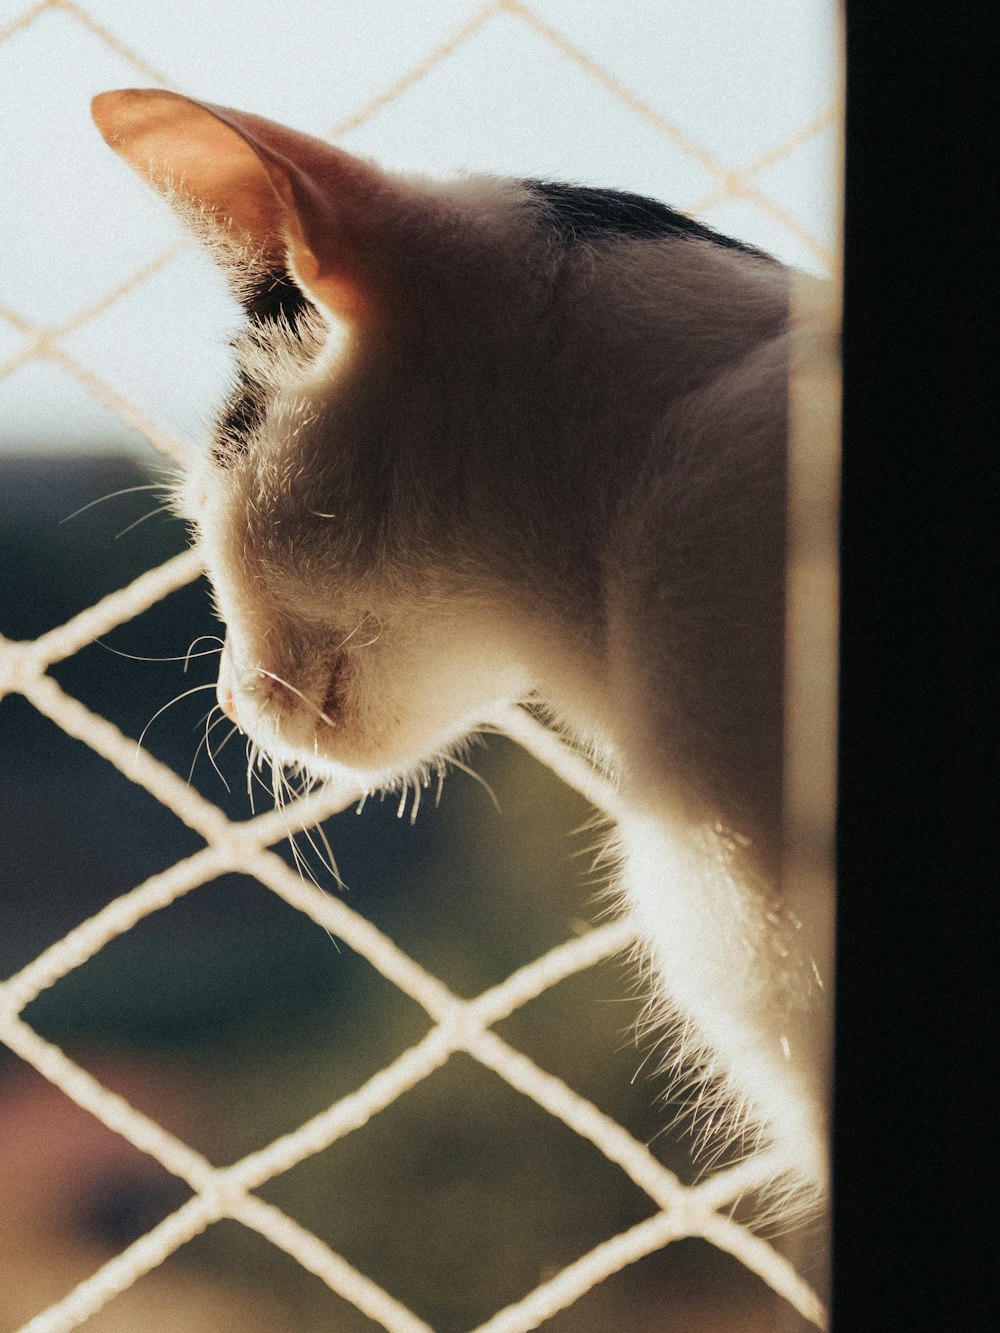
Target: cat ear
[(290, 200)]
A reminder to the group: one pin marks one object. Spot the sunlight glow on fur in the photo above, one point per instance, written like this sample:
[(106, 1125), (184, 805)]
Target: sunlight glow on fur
[(536, 442)]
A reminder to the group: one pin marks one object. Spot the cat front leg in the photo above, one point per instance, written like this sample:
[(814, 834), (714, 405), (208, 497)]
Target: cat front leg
[(735, 994)]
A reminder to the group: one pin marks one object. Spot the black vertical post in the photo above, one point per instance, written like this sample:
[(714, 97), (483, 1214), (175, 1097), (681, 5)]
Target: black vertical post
[(918, 824)]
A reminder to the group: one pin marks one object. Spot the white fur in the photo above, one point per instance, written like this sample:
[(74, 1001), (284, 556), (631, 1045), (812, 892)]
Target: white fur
[(554, 471)]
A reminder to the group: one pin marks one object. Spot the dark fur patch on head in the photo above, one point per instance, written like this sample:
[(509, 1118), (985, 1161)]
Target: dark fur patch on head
[(273, 298), (269, 299), (582, 213), (243, 412)]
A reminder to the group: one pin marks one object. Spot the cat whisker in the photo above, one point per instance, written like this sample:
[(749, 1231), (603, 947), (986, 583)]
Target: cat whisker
[(331, 861), (202, 721), (641, 1067), (367, 615), (208, 651), (251, 752), (298, 694), (126, 490), (308, 784), (160, 509), (201, 745), (233, 731), (281, 789), (478, 778), (301, 864), (208, 746), (138, 657), (256, 761), (305, 872), (327, 862), (169, 704)]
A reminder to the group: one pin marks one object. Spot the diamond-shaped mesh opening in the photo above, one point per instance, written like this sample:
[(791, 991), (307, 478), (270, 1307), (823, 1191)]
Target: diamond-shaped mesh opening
[(584, 1030), (49, 278), (489, 1184), (691, 1287), (83, 559), (509, 877), (71, 1188), (255, 1286), (76, 833), (384, 1039), (230, 966), (147, 364)]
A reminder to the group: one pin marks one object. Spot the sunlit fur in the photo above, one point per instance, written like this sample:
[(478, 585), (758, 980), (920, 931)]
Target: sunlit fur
[(551, 471)]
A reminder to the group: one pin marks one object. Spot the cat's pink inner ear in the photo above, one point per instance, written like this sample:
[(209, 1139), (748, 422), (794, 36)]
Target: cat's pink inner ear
[(287, 193), (179, 146)]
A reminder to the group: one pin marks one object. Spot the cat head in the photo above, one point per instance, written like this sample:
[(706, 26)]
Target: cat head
[(339, 508), (444, 392)]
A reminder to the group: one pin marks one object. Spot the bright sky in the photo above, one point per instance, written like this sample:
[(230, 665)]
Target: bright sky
[(663, 97)]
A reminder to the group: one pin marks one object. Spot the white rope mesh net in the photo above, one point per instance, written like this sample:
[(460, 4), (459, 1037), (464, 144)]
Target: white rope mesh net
[(245, 847)]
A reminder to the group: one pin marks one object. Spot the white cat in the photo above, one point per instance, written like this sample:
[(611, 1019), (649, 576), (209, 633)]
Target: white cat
[(496, 440)]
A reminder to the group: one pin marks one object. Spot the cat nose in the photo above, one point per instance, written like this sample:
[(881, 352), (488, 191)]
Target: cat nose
[(227, 702), (225, 693)]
